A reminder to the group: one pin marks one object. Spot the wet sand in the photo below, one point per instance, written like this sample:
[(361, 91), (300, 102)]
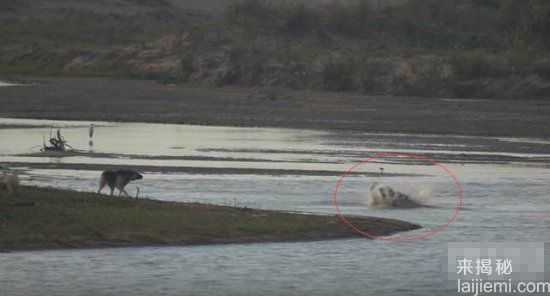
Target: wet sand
[(148, 101), (195, 170), (463, 158), (73, 153)]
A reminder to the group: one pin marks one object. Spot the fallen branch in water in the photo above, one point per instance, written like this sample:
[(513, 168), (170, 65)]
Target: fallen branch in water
[(58, 143)]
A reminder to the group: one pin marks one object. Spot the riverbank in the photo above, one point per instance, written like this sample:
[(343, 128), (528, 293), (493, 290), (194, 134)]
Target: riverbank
[(40, 218), (148, 101), (461, 49)]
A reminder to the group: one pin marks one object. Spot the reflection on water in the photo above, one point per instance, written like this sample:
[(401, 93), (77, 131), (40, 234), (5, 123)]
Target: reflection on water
[(4, 84), (501, 203)]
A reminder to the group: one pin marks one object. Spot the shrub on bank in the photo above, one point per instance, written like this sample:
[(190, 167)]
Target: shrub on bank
[(338, 74)]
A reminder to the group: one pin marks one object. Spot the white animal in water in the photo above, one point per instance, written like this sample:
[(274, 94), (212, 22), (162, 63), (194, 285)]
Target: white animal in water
[(383, 196), (9, 182)]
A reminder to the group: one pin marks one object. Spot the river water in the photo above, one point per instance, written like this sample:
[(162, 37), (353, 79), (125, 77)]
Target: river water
[(505, 183)]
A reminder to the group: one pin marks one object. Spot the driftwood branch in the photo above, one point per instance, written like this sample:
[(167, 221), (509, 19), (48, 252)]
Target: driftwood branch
[(57, 143)]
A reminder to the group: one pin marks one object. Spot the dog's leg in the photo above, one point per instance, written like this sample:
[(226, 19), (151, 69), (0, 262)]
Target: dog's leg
[(120, 185), (99, 190), (102, 184), (121, 191)]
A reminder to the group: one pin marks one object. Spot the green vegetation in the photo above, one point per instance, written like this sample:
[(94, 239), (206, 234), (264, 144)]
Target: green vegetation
[(49, 218), (464, 48)]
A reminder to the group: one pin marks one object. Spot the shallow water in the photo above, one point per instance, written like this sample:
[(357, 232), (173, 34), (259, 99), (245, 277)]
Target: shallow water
[(503, 201)]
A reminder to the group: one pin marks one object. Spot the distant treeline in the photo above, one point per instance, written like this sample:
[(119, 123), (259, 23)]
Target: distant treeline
[(460, 48), (496, 24)]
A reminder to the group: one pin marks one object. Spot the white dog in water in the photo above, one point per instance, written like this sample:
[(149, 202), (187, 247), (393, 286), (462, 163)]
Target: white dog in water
[(383, 196)]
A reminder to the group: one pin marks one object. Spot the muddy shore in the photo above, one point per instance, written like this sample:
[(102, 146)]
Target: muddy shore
[(148, 101), (197, 170)]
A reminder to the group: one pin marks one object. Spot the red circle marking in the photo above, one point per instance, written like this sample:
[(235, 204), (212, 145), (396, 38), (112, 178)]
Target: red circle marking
[(426, 234)]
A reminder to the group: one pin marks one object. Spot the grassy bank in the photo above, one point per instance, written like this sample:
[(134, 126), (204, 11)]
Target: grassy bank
[(49, 219)]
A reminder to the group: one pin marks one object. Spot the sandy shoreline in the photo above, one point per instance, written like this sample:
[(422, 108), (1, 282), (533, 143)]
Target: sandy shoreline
[(449, 157), (197, 170), (147, 101)]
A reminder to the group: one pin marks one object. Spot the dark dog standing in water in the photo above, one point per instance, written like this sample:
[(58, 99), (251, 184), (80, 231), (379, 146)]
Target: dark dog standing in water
[(118, 179)]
